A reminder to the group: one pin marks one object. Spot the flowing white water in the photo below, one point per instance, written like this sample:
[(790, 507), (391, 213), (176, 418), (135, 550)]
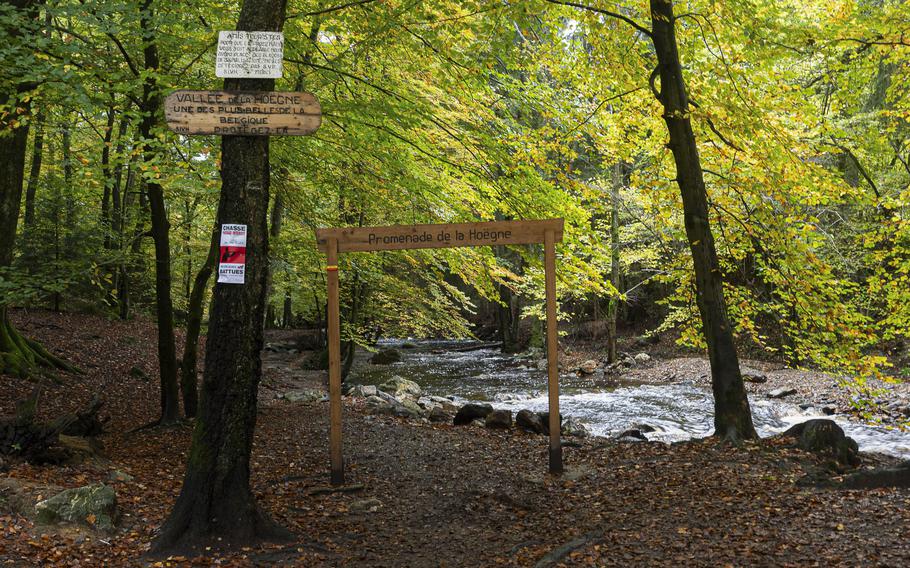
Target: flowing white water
[(676, 411)]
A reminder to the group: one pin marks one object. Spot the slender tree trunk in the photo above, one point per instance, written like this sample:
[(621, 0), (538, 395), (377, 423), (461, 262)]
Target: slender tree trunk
[(215, 505), (35, 172), (193, 326), (732, 415), (167, 349), (614, 261), (107, 176)]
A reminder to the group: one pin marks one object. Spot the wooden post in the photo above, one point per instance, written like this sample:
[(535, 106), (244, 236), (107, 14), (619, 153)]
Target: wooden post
[(334, 338), (552, 352)]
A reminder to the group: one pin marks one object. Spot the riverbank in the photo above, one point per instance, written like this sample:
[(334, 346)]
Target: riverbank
[(429, 494)]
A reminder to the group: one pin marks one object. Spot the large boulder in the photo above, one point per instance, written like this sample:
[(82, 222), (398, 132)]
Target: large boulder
[(501, 419), (529, 421), (400, 387), (386, 357), (823, 436), (92, 505), (471, 412)]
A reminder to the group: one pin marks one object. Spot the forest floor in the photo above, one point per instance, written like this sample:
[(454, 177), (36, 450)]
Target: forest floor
[(433, 495)]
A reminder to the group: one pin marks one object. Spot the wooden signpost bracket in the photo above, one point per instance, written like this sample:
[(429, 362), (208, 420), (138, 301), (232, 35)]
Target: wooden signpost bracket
[(399, 237)]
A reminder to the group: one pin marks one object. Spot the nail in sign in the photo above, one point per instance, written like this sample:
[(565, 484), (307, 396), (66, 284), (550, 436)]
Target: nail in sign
[(250, 55), (232, 262)]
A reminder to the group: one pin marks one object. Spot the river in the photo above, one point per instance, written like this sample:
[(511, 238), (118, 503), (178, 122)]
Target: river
[(677, 411)]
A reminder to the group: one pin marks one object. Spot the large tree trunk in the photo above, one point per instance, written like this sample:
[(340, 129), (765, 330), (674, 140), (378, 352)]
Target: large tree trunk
[(732, 415), (167, 349), (216, 506), (193, 325)]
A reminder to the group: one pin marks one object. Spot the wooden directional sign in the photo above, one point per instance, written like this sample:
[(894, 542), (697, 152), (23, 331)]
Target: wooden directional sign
[(242, 113), (397, 237), (350, 239)]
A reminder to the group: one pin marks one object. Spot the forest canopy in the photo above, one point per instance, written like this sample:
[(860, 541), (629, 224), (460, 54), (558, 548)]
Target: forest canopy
[(445, 111)]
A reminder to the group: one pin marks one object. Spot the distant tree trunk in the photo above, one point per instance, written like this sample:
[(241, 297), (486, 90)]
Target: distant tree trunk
[(106, 175), (193, 325), (614, 261), (151, 104), (287, 313), (35, 172), (215, 506), (732, 415)]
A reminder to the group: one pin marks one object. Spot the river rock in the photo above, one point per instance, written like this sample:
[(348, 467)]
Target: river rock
[(545, 420), (499, 419), (92, 505), (386, 357), (781, 393), (472, 411), (529, 421), (437, 414), (824, 436), (754, 377), (365, 390), (632, 435), (642, 358), (643, 428), (400, 387), (572, 427), (588, 367), (303, 395)]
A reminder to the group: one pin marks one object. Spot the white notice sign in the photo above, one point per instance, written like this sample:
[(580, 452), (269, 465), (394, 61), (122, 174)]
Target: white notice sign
[(232, 261), (250, 55)]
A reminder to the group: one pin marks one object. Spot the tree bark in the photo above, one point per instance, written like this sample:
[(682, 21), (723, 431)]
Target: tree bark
[(107, 176), (732, 415), (215, 506), (188, 381), (167, 349), (35, 171), (614, 262)]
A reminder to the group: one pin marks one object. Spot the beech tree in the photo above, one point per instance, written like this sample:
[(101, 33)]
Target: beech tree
[(216, 504)]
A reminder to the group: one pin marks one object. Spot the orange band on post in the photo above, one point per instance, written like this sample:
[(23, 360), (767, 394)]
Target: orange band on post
[(331, 268)]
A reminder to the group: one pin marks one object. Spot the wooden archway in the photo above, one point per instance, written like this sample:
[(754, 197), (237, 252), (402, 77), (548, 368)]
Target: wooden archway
[(400, 237)]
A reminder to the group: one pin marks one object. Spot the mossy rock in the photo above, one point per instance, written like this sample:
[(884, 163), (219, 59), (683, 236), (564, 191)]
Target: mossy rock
[(386, 357), (93, 505)]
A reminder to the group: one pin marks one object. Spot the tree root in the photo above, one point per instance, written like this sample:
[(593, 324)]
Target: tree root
[(21, 356)]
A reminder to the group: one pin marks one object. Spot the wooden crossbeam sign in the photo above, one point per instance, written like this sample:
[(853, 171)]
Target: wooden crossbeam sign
[(242, 113), (398, 237)]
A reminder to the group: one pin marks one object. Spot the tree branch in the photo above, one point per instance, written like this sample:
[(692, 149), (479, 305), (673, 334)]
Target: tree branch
[(625, 19), (330, 9)]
